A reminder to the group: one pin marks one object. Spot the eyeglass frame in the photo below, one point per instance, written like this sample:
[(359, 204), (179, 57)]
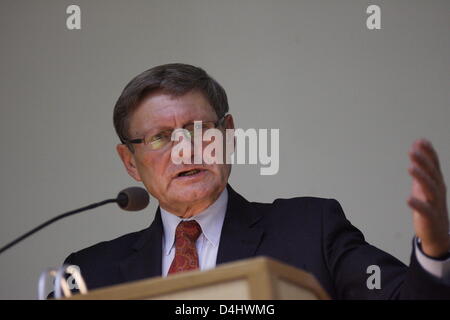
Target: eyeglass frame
[(131, 142)]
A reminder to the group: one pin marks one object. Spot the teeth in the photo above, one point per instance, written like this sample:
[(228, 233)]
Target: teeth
[(189, 173)]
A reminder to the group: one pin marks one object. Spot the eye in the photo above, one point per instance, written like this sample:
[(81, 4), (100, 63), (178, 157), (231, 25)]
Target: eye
[(158, 144), (160, 140), (190, 129), (156, 137), (208, 125)]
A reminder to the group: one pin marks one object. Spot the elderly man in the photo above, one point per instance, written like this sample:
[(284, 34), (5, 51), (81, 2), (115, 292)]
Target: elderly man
[(202, 222)]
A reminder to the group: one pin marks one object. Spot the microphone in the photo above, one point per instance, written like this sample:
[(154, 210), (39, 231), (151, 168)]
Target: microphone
[(130, 199), (133, 199)]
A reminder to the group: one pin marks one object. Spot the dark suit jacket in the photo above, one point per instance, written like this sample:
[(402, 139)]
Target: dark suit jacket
[(306, 232)]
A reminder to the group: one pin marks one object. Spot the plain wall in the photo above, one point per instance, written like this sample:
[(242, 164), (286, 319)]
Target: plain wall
[(348, 102)]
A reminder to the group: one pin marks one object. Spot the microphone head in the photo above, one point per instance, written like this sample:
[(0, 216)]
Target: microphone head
[(133, 199)]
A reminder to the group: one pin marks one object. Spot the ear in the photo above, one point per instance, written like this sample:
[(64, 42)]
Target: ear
[(229, 125), (128, 160), (229, 122)]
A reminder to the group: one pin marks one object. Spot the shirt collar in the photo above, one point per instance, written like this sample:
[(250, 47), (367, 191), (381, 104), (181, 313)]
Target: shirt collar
[(210, 220)]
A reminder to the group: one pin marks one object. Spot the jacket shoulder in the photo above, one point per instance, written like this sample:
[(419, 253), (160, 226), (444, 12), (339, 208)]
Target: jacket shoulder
[(112, 250), (301, 213), (297, 206)]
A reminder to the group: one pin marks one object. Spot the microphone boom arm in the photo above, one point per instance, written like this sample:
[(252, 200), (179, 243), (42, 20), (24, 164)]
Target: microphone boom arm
[(61, 216)]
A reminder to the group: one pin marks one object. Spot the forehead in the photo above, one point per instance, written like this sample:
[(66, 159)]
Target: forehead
[(160, 109)]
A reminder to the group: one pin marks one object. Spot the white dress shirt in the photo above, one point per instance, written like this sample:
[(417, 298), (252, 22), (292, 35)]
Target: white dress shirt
[(438, 268), (211, 222)]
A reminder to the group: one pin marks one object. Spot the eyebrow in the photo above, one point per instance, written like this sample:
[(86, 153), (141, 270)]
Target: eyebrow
[(160, 129)]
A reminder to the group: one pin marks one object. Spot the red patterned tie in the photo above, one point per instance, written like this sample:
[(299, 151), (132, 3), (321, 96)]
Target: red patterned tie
[(186, 257)]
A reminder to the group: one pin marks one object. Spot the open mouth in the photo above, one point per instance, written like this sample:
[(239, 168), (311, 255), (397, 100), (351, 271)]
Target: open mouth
[(189, 173)]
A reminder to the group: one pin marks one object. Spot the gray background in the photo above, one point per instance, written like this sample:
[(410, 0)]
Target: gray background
[(348, 101)]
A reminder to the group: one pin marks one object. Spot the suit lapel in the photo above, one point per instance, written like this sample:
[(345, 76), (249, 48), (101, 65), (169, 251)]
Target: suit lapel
[(241, 233), (146, 261), (240, 238)]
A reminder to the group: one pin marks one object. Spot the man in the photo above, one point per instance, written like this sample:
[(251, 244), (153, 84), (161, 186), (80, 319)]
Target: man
[(202, 222)]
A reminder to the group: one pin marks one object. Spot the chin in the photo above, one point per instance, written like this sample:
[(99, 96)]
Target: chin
[(195, 192)]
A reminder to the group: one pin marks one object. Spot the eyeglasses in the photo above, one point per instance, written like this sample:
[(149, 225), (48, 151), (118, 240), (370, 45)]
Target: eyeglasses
[(164, 138)]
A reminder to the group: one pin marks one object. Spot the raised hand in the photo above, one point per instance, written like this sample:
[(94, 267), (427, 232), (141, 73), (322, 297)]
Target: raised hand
[(428, 199)]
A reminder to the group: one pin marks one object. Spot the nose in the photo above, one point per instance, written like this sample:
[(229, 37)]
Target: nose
[(191, 148), (197, 148)]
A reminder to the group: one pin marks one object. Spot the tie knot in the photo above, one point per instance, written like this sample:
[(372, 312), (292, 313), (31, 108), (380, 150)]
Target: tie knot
[(188, 229)]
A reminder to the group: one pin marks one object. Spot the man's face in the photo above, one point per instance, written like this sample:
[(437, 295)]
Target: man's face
[(161, 111)]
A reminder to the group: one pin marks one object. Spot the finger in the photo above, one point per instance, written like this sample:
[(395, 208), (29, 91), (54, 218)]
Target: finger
[(428, 185), (420, 206), (426, 164), (428, 148)]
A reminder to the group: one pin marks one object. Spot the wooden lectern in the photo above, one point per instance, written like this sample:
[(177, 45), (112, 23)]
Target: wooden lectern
[(257, 278)]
